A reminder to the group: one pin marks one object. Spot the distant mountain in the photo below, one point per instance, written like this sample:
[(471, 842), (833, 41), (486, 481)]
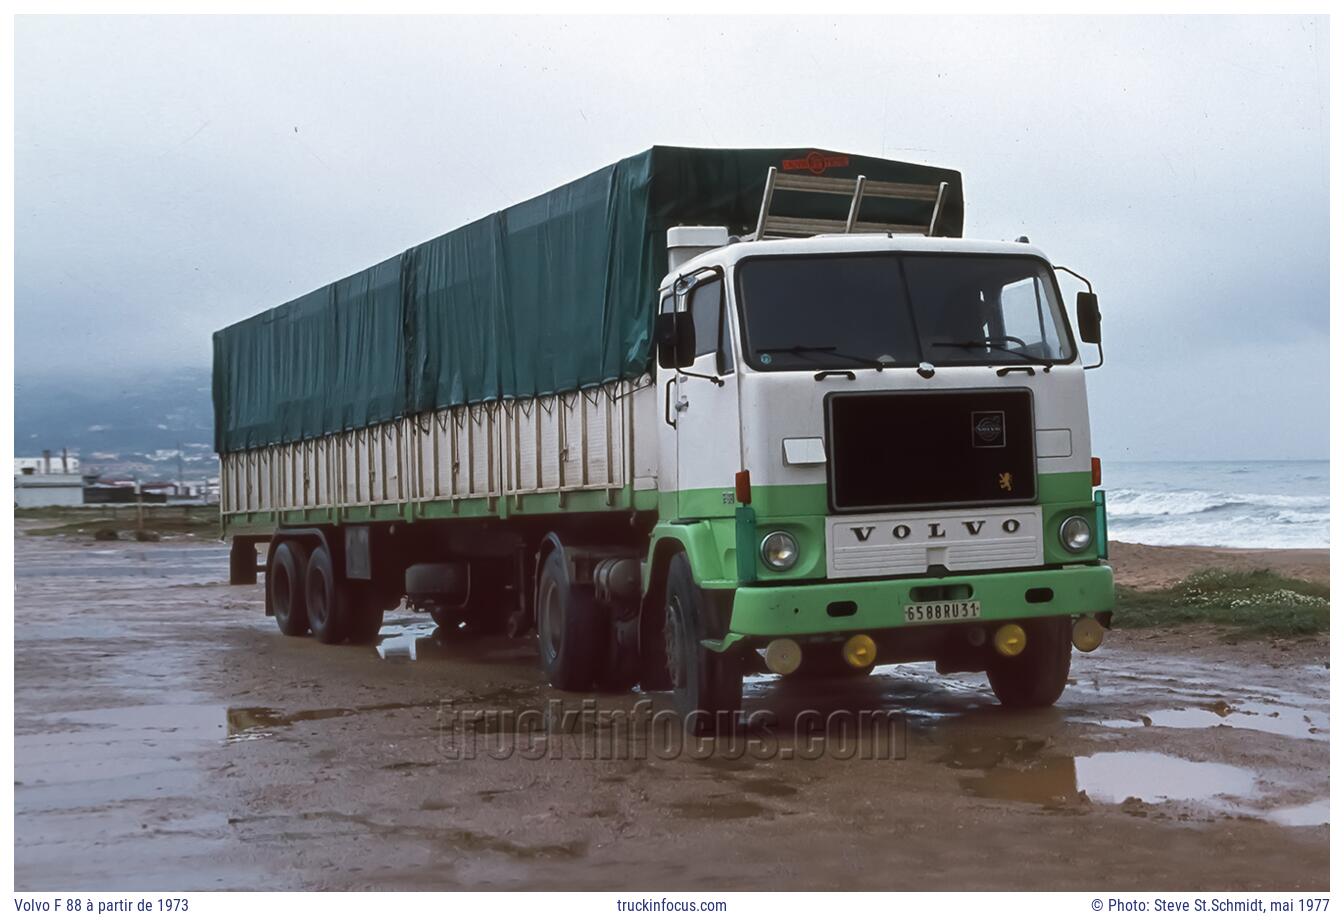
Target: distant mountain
[(131, 423)]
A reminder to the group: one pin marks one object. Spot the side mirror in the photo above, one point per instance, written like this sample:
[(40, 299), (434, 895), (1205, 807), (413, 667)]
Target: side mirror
[(1089, 318), (674, 334)]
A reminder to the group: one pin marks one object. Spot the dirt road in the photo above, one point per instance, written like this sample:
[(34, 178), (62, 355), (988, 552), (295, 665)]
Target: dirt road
[(168, 737)]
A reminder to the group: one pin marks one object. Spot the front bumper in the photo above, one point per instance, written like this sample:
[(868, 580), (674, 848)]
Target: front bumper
[(800, 610)]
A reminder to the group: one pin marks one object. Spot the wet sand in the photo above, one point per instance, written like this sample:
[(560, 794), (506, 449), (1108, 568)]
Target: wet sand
[(1138, 565), (168, 737)]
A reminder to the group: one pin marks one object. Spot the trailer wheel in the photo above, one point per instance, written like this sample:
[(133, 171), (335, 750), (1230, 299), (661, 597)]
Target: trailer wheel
[(285, 584), (706, 685), (1038, 675), (569, 627), (328, 606)]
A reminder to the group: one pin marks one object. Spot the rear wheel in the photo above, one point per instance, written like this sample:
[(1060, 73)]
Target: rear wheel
[(366, 613), (328, 608), (285, 584), (569, 627), (706, 685), (1037, 676)]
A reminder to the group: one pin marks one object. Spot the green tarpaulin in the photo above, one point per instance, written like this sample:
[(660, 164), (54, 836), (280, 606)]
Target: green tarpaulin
[(555, 293)]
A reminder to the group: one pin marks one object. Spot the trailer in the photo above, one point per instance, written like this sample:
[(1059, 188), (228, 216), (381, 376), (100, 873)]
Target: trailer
[(699, 413)]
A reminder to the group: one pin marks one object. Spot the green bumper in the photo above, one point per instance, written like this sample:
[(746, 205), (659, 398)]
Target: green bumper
[(800, 610)]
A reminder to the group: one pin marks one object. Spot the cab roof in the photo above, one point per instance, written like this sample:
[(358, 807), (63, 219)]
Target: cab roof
[(732, 253)]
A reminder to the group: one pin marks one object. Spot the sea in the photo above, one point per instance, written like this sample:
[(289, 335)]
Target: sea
[(1259, 504)]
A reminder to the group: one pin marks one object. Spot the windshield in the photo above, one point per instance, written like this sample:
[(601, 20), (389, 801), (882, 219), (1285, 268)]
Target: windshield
[(862, 310)]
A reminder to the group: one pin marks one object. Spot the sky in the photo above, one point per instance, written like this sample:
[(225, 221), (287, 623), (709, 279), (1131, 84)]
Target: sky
[(174, 175)]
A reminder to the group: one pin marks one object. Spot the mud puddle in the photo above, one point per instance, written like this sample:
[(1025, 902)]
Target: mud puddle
[(1269, 718), (250, 723), (1022, 769)]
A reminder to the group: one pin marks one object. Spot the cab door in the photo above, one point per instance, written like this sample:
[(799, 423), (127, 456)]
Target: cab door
[(705, 406)]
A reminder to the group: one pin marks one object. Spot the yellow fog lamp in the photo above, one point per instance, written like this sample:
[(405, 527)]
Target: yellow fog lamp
[(1087, 634), (1010, 640), (860, 651), (783, 656)]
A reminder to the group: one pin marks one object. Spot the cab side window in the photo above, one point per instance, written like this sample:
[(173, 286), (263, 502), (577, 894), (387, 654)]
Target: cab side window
[(712, 335)]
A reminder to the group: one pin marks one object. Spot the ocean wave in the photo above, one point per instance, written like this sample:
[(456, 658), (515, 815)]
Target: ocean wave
[(1241, 504), (1192, 532), (1122, 502), (1260, 528)]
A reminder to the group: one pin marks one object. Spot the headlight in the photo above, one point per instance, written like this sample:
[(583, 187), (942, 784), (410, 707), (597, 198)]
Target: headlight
[(1076, 534), (779, 550)]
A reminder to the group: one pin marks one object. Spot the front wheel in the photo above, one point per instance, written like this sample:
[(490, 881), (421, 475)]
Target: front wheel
[(706, 685), (1037, 676)]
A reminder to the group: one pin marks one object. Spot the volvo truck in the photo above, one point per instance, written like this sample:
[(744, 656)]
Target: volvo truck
[(699, 414)]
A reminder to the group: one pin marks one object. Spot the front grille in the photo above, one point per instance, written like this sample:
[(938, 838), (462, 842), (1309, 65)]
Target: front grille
[(939, 448)]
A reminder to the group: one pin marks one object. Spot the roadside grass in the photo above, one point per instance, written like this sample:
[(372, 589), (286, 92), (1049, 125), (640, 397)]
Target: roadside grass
[(186, 520), (1249, 604)]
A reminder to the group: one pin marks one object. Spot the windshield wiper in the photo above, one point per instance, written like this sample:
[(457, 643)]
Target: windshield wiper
[(822, 349), (990, 343)]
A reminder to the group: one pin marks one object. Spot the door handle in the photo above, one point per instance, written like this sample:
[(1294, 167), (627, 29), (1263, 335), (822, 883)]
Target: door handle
[(667, 402)]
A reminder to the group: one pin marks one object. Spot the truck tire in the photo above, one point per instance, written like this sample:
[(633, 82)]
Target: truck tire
[(570, 628), (285, 584), (328, 602), (1037, 676), (706, 685), (366, 613)]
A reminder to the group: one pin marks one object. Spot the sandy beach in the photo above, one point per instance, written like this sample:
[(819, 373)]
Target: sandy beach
[(1146, 567)]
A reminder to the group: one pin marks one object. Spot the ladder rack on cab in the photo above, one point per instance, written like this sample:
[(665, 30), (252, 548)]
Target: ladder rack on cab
[(778, 226)]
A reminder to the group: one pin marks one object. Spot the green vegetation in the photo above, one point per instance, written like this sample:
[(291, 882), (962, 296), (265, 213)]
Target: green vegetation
[(187, 520), (1259, 603)]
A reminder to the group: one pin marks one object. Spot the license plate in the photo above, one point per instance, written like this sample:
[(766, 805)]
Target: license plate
[(942, 611)]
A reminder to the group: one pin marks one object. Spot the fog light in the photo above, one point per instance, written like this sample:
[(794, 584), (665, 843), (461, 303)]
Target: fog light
[(859, 651), (783, 656), (1087, 634), (1076, 534), (779, 550), (1010, 640)]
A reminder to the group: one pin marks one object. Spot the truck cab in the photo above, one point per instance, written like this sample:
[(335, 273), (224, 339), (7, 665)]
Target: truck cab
[(875, 448)]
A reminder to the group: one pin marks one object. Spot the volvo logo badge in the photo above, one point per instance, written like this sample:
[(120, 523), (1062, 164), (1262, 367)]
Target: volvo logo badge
[(987, 429)]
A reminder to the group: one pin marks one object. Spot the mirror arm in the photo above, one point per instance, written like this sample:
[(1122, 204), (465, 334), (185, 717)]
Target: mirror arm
[(712, 378), (1101, 359), (1061, 268)]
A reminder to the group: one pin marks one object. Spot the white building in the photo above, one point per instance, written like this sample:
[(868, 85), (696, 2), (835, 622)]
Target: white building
[(46, 481)]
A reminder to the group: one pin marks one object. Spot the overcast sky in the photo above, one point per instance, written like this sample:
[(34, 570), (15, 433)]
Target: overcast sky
[(175, 175)]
